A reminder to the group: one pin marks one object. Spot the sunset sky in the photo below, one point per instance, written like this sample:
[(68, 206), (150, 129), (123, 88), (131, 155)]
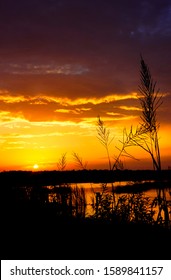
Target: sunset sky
[(63, 63)]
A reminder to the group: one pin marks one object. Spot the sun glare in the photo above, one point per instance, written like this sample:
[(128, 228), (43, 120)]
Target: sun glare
[(35, 166)]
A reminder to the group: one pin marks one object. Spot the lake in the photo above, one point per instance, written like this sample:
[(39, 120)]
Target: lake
[(147, 189), (85, 192)]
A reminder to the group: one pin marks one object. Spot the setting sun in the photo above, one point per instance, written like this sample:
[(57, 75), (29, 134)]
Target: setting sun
[(35, 166)]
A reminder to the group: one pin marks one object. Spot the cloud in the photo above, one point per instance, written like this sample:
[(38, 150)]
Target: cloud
[(120, 117), (76, 111), (42, 69), (8, 117), (46, 110), (65, 101), (93, 100), (129, 108), (154, 20), (6, 97)]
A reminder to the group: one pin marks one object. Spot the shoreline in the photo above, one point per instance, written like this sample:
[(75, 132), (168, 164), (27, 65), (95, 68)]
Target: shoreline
[(44, 178)]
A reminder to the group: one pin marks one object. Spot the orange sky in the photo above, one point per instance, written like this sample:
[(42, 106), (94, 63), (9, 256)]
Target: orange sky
[(39, 129), (63, 63)]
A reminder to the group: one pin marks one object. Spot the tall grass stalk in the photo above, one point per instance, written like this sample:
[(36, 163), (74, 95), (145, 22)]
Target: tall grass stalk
[(62, 162), (79, 161), (145, 135), (104, 138)]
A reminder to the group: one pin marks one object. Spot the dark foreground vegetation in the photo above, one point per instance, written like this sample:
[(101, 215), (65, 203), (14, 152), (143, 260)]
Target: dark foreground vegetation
[(50, 223), (47, 237)]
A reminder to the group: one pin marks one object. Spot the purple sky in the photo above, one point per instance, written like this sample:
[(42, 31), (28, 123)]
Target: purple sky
[(102, 39)]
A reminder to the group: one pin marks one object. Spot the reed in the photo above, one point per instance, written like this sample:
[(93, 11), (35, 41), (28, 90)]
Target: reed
[(134, 208), (79, 161), (145, 135)]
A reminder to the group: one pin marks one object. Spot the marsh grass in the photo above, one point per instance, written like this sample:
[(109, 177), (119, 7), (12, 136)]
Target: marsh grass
[(102, 203), (53, 201), (121, 226), (135, 208), (63, 201)]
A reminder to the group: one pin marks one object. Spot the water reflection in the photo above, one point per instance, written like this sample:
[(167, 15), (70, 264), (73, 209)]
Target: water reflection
[(120, 201), (156, 200)]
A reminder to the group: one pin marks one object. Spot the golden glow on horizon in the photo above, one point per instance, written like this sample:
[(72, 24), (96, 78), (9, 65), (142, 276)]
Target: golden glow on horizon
[(55, 126)]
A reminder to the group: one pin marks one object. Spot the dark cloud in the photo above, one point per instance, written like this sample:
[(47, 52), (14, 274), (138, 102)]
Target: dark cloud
[(79, 26), (105, 37)]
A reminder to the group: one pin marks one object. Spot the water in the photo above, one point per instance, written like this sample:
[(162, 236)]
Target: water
[(148, 189), (143, 199)]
